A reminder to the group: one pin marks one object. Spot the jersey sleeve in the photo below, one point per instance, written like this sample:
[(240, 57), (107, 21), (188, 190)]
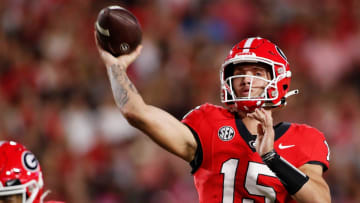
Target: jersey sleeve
[(195, 121), (319, 152), (194, 118)]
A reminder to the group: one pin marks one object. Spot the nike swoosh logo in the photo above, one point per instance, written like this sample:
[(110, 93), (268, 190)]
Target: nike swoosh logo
[(285, 146)]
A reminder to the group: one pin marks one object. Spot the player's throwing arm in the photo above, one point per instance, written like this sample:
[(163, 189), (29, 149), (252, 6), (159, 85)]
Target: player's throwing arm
[(159, 125)]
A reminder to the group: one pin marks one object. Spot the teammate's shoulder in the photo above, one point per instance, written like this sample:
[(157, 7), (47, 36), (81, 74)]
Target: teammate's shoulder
[(307, 129)]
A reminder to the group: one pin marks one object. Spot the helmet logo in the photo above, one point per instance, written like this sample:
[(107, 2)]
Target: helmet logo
[(29, 161), (226, 133), (252, 144)]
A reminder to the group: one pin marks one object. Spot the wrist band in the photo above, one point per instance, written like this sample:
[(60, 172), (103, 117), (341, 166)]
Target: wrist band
[(292, 178)]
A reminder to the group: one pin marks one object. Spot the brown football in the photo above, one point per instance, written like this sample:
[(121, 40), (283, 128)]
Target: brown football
[(117, 30)]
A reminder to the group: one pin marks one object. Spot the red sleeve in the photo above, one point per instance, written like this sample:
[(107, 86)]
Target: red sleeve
[(319, 152), (194, 118), (197, 123)]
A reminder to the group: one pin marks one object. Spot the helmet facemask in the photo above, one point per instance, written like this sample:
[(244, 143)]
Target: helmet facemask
[(231, 95), (28, 191), (270, 96)]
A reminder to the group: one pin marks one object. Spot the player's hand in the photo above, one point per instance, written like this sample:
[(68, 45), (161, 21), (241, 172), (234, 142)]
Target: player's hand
[(123, 60), (265, 138)]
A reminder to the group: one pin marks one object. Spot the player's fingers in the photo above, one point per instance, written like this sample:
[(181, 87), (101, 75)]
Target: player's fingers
[(106, 56), (129, 58), (100, 50), (96, 42), (136, 53), (254, 115), (133, 54), (250, 115), (268, 120), (260, 115), (260, 130), (138, 49)]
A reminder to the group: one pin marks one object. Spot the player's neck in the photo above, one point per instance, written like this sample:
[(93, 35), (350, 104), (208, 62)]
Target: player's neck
[(250, 123)]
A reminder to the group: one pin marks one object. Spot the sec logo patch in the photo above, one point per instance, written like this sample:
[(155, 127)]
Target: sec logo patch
[(226, 133)]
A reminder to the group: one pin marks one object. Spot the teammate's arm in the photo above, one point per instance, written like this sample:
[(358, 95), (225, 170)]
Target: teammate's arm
[(159, 125)]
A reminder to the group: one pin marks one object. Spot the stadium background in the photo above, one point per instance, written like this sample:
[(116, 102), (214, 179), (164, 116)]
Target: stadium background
[(55, 97)]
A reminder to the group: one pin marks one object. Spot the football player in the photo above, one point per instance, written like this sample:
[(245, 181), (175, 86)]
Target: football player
[(21, 178), (236, 153)]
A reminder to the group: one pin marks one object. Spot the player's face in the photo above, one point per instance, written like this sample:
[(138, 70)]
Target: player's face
[(241, 85), (11, 199)]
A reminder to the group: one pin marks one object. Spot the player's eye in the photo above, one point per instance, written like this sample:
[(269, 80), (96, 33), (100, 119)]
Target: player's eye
[(239, 72)]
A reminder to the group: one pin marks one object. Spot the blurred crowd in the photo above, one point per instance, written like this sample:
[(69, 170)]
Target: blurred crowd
[(55, 97)]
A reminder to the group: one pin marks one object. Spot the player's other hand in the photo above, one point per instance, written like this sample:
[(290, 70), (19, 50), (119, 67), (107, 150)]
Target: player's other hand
[(265, 137), (123, 60)]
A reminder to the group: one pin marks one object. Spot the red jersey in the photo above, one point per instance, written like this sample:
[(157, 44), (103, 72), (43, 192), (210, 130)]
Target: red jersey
[(227, 167)]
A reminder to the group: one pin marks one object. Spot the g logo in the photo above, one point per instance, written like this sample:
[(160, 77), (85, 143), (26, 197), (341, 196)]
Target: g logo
[(226, 133), (29, 161), (252, 144)]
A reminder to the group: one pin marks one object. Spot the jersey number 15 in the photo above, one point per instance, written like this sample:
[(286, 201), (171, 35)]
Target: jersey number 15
[(255, 169)]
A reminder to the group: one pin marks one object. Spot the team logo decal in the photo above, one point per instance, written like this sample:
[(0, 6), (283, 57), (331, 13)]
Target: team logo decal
[(252, 144), (226, 133), (29, 161)]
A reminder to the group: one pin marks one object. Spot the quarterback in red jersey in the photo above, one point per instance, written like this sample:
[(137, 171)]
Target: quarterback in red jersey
[(236, 153), (21, 178)]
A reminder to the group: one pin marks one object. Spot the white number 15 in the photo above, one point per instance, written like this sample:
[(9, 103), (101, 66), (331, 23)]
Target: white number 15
[(255, 169)]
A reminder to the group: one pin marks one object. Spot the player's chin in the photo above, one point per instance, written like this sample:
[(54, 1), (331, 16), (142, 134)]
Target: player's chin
[(250, 95)]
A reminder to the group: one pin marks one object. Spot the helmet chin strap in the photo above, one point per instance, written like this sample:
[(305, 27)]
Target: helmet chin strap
[(283, 100), (234, 107), (291, 93), (288, 94)]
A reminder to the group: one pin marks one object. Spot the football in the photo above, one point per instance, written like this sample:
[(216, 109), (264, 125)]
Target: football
[(117, 30)]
